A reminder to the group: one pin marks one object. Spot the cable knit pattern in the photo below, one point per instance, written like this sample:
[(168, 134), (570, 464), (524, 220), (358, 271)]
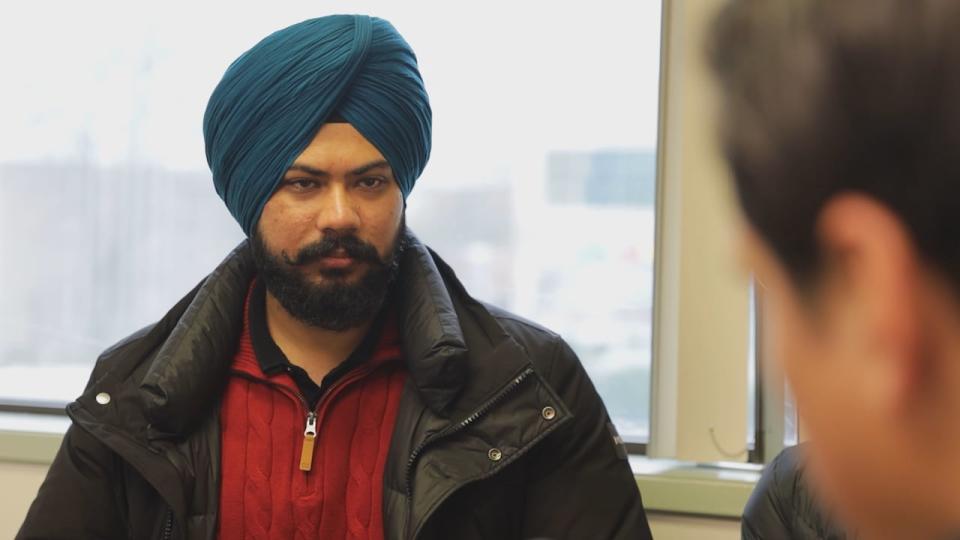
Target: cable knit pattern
[(264, 494)]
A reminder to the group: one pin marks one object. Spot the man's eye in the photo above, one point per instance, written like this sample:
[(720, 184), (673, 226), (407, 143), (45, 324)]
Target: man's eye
[(301, 184), (371, 182)]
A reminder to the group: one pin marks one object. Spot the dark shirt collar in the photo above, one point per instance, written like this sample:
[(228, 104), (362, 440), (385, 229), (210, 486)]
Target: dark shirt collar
[(272, 360)]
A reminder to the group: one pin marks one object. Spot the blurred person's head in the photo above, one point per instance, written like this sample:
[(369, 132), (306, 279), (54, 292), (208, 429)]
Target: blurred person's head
[(315, 138), (841, 123)]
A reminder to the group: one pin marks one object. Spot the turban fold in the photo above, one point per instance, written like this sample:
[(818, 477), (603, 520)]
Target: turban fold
[(273, 99)]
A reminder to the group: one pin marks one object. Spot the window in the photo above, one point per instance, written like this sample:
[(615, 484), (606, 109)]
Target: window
[(540, 190)]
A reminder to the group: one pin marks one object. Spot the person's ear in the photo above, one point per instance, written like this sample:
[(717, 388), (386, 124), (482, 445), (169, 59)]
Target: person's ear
[(872, 268)]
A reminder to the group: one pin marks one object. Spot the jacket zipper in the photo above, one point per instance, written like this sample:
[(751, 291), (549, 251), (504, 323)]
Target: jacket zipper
[(167, 532), (456, 428), (460, 426)]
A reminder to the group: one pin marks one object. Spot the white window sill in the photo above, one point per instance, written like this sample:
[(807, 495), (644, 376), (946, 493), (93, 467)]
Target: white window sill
[(703, 489)]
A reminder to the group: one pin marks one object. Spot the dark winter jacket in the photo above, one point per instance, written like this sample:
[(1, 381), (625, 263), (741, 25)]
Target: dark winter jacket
[(499, 434), (782, 506)]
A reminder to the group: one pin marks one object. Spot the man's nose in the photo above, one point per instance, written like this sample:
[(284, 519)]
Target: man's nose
[(339, 212)]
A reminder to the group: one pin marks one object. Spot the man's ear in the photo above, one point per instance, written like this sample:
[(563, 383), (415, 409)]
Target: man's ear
[(871, 263)]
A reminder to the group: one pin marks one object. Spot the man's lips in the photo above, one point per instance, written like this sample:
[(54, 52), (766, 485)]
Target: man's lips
[(336, 261)]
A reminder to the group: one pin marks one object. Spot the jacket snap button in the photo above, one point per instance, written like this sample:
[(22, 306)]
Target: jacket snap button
[(103, 398), (495, 454), (548, 413)]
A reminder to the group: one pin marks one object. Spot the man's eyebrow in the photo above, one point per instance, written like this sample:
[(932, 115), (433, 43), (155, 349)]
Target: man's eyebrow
[(363, 169), (380, 163), (308, 169)]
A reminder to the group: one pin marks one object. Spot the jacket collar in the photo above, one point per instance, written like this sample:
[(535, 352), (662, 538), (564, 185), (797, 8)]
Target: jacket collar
[(433, 342), (189, 370)]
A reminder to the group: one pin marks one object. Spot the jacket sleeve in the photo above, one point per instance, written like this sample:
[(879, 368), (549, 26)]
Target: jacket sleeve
[(79, 497), (580, 484)]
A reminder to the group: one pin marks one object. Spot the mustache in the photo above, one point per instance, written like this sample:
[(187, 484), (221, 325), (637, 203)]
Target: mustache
[(349, 244)]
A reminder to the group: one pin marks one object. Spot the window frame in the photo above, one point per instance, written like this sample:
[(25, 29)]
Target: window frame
[(32, 406)]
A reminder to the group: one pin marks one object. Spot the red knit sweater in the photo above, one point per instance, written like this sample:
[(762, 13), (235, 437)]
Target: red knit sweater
[(264, 494)]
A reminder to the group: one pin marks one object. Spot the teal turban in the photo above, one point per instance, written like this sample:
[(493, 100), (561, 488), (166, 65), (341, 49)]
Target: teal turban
[(273, 99)]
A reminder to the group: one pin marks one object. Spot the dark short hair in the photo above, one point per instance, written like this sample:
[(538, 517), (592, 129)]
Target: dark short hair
[(823, 97)]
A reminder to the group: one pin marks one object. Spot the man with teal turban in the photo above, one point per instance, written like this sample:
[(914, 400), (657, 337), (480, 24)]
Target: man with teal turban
[(332, 378)]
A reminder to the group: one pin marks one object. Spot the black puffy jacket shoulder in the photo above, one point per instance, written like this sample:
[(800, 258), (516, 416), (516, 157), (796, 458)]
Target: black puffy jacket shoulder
[(782, 506)]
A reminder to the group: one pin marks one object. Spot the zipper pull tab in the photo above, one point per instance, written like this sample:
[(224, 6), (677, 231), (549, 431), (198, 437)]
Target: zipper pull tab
[(309, 435)]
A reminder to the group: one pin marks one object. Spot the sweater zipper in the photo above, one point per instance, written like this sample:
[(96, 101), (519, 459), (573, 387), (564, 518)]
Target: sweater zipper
[(309, 436), (310, 427), (460, 426), (167, 532)]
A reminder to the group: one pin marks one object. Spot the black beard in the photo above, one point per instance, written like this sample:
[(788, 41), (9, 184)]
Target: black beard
[(334, 305)]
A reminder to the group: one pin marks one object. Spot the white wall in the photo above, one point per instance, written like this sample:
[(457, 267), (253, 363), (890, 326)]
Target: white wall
[(668, 527), (18, 485)]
